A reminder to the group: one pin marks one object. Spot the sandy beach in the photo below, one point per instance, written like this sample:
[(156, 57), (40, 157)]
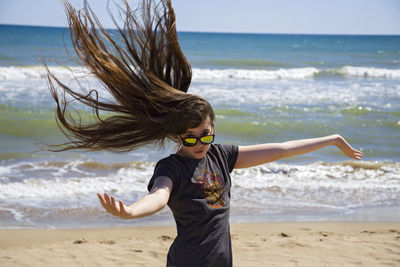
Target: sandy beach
[(258, 244)]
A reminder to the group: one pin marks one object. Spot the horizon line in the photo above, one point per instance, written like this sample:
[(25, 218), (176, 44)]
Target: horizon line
[(225, 32)]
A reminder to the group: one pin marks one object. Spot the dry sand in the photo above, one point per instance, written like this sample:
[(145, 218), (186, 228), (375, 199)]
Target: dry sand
[(259, 244)]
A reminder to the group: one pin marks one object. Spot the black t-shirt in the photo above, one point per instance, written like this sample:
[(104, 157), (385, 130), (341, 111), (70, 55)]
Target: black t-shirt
[(200, 204)]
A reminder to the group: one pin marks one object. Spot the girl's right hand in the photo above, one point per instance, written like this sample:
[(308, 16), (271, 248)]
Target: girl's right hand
[(120, 210)]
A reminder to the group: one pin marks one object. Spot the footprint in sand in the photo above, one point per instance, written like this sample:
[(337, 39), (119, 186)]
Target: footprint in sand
[(165, 238), (323, 234), (284, 235), (368, 232), (107, 242), (80, 241)]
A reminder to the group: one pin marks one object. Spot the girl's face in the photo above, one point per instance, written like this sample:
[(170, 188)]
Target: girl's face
[(199, 150)]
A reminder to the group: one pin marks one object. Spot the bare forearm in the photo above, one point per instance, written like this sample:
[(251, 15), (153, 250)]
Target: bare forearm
[(146, 206), (259, 154), (298, 147), (293, 148)]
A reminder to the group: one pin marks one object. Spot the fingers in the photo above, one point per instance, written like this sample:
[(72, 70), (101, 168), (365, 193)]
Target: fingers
[(348, 150), (107, 199), (121, 207), (113, 206), (109, 204), (358, 155), (355, 154), (105, 202), (102, 201)]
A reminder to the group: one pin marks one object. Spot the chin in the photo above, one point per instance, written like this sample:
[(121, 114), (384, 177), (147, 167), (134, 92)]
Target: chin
[(200, 154), (197, 153)]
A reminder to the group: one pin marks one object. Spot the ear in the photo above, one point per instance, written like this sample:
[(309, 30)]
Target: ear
[(179, 140), (178, 145)]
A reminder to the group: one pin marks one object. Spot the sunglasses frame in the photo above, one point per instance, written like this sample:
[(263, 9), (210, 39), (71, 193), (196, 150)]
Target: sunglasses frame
[(197, 140)]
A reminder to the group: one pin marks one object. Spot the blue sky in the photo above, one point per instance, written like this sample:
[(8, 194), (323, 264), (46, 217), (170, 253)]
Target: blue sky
[(257, 16)]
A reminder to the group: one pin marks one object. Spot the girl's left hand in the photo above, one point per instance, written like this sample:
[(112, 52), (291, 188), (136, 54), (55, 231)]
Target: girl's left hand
[(346, 148)]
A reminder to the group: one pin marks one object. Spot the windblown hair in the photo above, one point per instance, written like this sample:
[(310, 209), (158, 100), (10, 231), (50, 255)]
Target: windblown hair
[(148, 77)]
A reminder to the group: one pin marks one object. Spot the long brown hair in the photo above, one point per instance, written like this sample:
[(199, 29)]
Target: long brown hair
[(148, 78)]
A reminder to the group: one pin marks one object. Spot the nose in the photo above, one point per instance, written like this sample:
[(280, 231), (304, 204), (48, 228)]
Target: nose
[(198, 144)]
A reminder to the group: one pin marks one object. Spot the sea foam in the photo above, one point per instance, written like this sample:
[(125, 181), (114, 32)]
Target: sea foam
[(35, 192), (338, 184), (369, 72), (39, 72), (67, 73), (245, 74)]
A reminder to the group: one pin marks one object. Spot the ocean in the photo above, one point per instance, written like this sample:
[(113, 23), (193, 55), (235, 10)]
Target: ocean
[(263, 87)]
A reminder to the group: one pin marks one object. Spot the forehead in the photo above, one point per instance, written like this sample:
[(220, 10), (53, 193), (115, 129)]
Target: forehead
[(205, 125)]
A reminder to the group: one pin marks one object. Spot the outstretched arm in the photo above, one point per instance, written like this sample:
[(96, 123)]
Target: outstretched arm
[(259, 154), (155, 201)]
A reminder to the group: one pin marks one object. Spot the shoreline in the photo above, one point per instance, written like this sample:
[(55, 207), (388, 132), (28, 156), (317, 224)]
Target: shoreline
[(257, 244), (165, 219)]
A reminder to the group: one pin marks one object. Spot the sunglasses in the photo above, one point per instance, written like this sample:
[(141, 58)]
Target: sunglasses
[(192, 141)]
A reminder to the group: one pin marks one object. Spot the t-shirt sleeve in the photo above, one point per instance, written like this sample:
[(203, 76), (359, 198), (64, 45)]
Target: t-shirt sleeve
[(163, 168), (230, 153)]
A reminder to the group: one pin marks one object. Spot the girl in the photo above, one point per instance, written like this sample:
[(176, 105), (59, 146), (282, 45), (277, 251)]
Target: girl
[(195, 184), (148, 80)]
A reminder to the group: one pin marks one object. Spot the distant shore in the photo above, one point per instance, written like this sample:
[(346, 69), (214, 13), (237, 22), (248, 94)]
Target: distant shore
[(259, 244)]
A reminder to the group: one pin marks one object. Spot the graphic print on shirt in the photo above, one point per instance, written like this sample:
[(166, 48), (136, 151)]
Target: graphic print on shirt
[(211, 185)]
